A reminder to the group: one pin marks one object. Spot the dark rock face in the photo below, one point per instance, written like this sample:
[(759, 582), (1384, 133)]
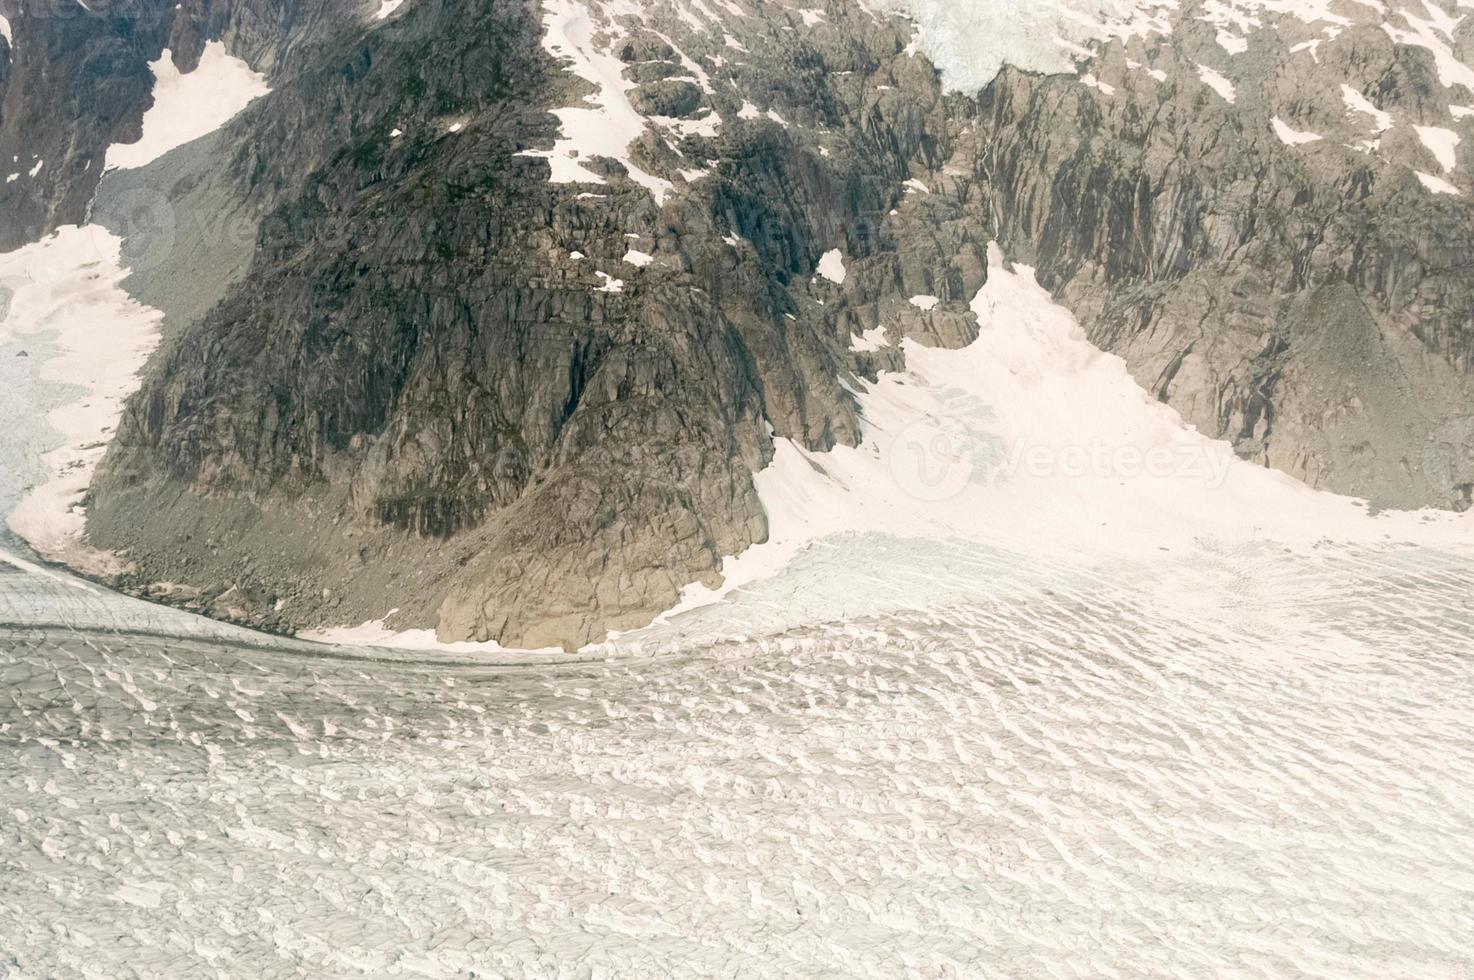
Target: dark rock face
[(667, 97), (429, 376), (524, 411), (1311, 309), (76, 80), (72, 83)]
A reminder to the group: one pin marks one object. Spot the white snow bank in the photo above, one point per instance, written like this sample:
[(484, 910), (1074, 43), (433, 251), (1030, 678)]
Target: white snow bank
[(1356, 102), (873, 339), (386, 8), (1434, 35), (69, 309), (187, 107), (1435, 184), (831, 266), (971, 41), (376, 634), (609, 124), (1442, 142), (1034, 441), (1217, 82), (1232, 43), (1292, 137)]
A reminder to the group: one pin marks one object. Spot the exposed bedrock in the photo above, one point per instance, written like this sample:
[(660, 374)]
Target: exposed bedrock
[(1312, 304), (426, 378), (75, 78), (522, 411)]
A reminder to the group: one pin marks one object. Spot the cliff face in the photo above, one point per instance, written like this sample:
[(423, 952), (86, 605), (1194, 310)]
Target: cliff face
[(75, 79), (527, 411), (1282, 279), (515, 386), (71, 84)]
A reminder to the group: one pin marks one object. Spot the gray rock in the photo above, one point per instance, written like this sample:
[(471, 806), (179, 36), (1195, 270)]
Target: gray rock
[(667, 97), (399, 389)]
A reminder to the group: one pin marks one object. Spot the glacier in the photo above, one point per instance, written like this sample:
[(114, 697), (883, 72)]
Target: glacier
[(971, 40), (975, 710), (1033, 682)]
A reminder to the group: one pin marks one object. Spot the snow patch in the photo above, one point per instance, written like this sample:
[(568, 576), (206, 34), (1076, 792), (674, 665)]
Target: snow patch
[(1442, 142), (1435, 184), (1032, 440), (610, 123), (67, 304), (971, 41), (1292, 137), (1216, 82), (873, 339), (831, 266), (1356, 102), (375, 633), (186, 107), (1232, 43)]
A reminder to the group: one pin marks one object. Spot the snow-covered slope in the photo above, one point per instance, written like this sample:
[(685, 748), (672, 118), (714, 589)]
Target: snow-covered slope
[(1033, 681), (79, 328), (83, 339), (1293, 55), (970, 41), (1026, 770), (187, 106), (1029, 442), (1033, 442)]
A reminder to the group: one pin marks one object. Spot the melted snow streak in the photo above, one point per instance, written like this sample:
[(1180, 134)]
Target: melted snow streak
[(1051, 775)]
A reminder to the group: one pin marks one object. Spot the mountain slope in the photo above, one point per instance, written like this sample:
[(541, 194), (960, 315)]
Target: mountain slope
[(517, 295), (532, 407)]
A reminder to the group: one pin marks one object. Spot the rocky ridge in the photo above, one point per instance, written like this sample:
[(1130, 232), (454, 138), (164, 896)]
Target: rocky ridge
[(535, 413), (1264, 208), (519, 390)]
